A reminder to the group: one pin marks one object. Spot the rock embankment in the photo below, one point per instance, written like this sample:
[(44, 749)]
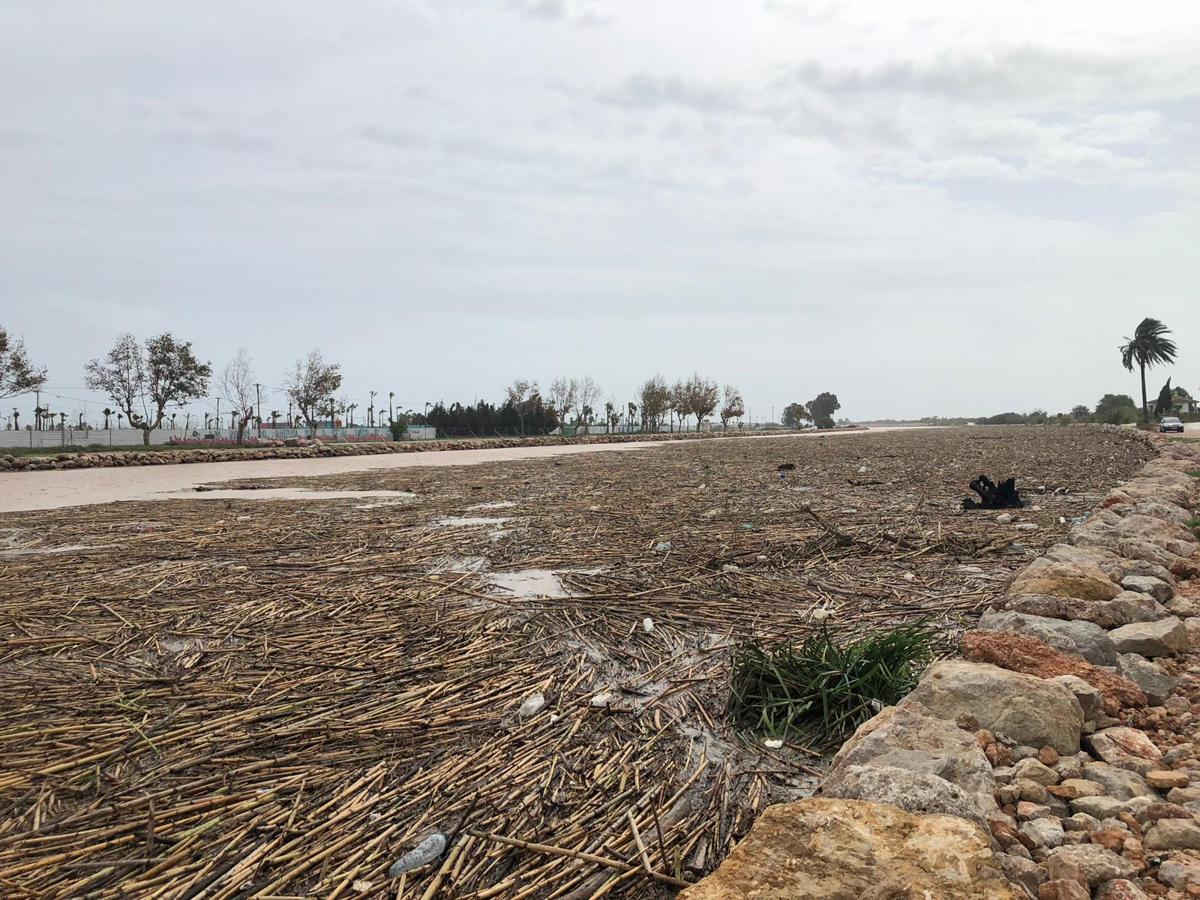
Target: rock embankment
[(308, 449), (1061, 751)]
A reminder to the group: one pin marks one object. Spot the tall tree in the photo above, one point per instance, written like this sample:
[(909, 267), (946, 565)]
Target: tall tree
[(310, 384), (237, 386), (680, 403), (587, 392), (522, 396), (656, 400), (563, 392), (703, 394), (795, 415), (1149, 347), (1165, 404), (733, 408), (143, 381), (17, 374), (822, 408)]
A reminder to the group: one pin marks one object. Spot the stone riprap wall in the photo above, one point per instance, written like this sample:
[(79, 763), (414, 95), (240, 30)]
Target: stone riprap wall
[(306, 449), (1058, 758)]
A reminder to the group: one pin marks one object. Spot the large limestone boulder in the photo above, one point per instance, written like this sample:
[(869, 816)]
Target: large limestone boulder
[(914, 792), (1028, 710), (1126, 607), (1166, 637), (908, 738), (822, 849), (1107, 529), (1062, 579), (1116, 567), (1157, 588), (1082, 638)]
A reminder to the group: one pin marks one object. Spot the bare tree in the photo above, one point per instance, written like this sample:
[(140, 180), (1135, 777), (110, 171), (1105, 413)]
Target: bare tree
[(310, 384), (563, 391), (143, 382), (587, 392), (522, 395), (656, 401), (734, 407), (237, 386), (702, 397), (17, 374)]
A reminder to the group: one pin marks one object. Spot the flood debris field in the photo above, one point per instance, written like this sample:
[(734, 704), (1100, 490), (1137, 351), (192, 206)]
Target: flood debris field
[(230, 697)]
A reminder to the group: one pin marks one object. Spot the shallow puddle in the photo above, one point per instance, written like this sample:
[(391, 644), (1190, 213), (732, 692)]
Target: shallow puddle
[(288, 493), (468, 521)]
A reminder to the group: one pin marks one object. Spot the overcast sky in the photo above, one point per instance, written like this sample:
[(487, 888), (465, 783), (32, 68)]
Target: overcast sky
[(926, 207)]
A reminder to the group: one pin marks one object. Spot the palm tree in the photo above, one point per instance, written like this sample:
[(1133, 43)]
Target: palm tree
[(1149, 347), (107, 414)]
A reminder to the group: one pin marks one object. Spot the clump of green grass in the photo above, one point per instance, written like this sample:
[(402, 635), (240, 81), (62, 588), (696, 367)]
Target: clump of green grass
[(822, 689), (1195, 474)]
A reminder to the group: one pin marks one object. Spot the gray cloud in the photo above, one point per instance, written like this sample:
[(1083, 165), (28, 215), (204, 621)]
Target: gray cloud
[(447, 193)]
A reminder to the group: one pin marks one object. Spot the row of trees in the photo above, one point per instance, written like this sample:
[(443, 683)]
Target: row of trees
[(696, 397), (144, 380)]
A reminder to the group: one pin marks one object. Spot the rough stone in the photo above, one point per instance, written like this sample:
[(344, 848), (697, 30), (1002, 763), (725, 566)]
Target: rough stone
[(1173, 834), (1074, 788), (914, 792), (1165, 779), (1118, 783), (1154, 681), (1179, 871), (1026, 654), (1063, 889), (1121, 610), (1022, 871), (908, 737), (1035, 770), (1085, 639), (1096, 864), (1091, 701), (1046, 832), (1120, 889), (1098, 807), (1026, 709), (850, 849), (1185, 606), (1144, 584), (1063, 579), (1165, 637), (1119, 742)]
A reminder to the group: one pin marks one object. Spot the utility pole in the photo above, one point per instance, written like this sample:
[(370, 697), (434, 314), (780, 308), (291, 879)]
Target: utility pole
[(391, 412), (371, 410), (258, 404)]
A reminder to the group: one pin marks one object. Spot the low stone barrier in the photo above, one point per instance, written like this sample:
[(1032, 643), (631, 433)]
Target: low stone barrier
[(1054, 759), (316, 448)]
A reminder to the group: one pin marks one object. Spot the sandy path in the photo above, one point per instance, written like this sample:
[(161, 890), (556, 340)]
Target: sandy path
[(82, 487)]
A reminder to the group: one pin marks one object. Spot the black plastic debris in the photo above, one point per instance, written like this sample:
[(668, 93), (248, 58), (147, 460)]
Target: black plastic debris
[(994, 496)]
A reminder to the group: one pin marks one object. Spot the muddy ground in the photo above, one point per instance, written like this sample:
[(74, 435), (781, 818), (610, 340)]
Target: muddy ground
[(252, 697)]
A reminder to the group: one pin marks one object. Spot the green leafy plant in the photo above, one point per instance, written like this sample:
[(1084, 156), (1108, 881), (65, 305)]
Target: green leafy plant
[(823, 688)]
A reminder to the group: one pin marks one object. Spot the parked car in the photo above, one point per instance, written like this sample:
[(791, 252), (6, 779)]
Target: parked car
[(1170, 423)]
